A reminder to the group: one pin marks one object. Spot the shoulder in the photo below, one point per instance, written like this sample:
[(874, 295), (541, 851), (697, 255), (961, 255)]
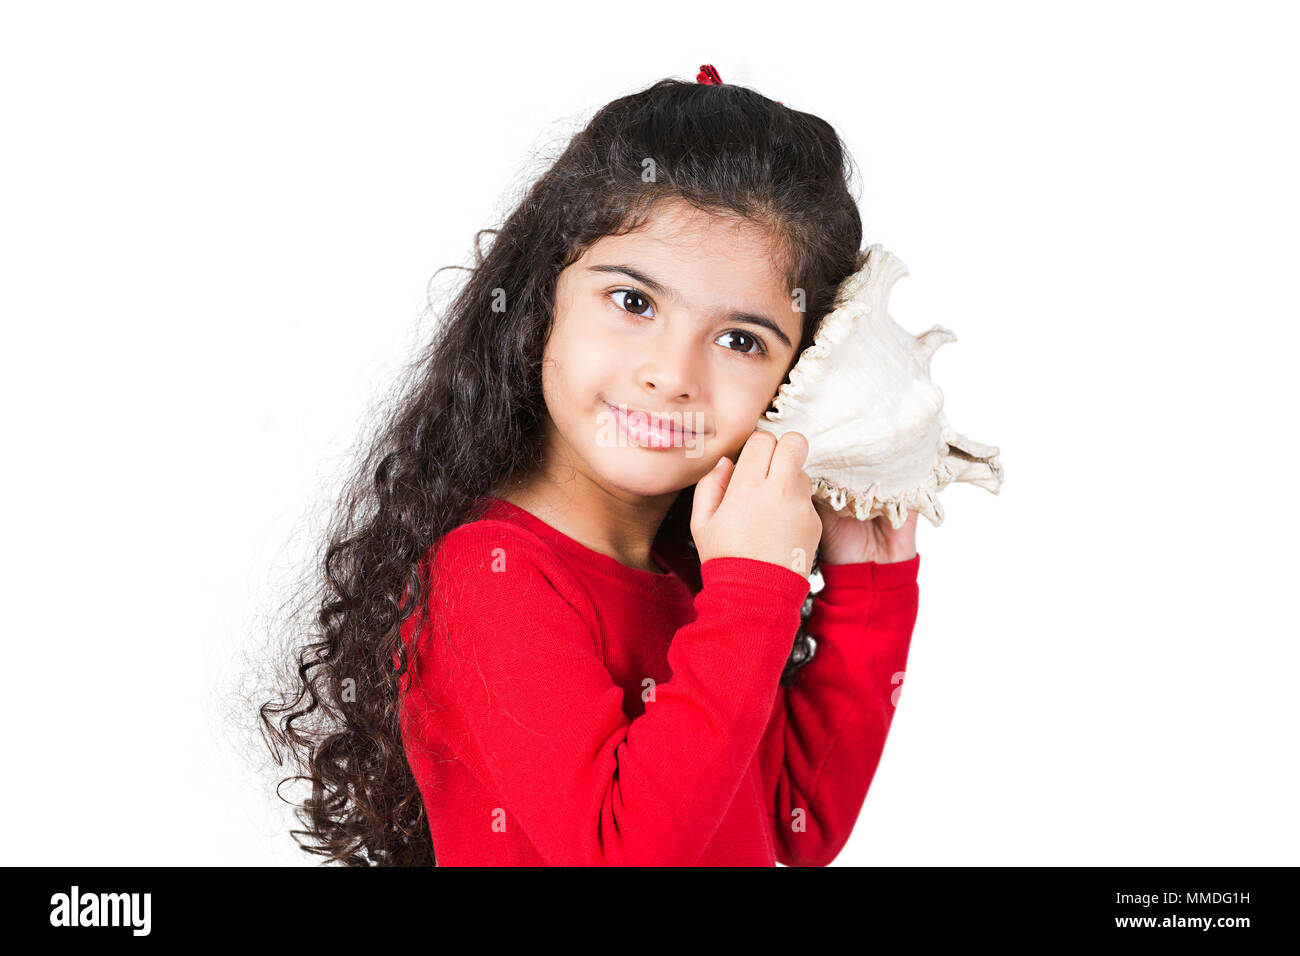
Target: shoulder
[(496, 558), (485, 541), (490, 543)]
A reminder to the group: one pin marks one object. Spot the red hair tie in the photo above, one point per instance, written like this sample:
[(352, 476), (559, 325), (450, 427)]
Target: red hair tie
[(709, 77)]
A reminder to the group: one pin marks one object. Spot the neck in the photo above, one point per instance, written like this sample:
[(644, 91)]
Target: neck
[(617, 523)]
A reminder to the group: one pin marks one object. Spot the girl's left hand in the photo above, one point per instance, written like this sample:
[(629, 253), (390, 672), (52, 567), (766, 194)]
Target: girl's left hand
[(846, 540)]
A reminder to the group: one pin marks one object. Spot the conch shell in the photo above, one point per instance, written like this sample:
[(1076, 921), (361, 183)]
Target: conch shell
[(878, 442)]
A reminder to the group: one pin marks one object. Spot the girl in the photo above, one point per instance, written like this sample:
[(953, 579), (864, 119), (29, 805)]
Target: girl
[(566, 614)]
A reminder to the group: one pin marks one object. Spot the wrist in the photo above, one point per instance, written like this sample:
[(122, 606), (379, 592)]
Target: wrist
[(871, 575)]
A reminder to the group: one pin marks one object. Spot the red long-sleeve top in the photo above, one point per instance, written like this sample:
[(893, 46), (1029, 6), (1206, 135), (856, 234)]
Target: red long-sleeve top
[(565, 709)]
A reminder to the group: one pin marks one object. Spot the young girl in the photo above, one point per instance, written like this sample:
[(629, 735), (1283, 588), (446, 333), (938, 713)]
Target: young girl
[(567, 616)]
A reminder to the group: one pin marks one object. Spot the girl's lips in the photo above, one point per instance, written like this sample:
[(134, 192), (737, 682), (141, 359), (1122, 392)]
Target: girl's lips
[(647, 428)]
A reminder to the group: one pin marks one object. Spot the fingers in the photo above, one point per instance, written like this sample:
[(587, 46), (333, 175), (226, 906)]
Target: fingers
[(709, 492), (752, 465), (764, 456), (788, 458)]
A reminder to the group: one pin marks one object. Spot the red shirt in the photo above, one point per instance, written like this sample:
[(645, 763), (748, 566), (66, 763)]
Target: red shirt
[(565, 709)]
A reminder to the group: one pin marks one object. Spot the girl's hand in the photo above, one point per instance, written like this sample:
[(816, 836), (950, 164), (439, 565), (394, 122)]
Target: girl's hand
[(760, 507), (846, 540)]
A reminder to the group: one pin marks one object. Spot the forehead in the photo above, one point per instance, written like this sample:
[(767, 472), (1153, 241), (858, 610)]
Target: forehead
[(714, 261)]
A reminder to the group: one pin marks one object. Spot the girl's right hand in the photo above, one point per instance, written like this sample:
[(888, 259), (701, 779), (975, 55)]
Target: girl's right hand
[(761, 507)]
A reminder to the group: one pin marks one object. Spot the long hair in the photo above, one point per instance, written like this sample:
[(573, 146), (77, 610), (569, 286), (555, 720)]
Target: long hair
[(471, 418)]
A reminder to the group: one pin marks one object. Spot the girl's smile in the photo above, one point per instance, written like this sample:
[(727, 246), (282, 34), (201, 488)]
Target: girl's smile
[(655, 430)]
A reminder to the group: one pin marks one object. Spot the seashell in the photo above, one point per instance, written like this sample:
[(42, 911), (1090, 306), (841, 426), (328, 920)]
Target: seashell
[(878, 441)]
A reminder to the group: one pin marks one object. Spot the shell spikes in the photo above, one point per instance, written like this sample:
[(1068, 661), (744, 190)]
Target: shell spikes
[(878, 441)]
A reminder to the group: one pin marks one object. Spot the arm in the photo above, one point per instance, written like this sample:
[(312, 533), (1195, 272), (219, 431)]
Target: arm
[(828, 728), (543, 720)]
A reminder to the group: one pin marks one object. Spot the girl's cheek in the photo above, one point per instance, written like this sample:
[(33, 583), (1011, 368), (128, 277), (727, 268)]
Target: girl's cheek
[(587, 340)]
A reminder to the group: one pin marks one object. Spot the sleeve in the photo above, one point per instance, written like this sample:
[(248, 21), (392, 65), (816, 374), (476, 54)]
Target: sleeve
[(828, 728), (543, 718)]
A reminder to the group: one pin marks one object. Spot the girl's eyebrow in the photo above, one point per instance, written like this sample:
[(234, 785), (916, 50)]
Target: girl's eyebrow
[(658, 288)]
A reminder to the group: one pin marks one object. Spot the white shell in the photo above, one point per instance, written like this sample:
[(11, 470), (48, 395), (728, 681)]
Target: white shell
[(878, 442)]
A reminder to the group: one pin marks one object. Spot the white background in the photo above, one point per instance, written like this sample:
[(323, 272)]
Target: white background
[(218, 222)]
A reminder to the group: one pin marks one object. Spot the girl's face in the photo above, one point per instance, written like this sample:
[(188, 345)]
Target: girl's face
[(687, 319)]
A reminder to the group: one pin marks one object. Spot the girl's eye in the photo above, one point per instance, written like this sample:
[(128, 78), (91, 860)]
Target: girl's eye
[(635, 297), (634, 301), (758, 346)]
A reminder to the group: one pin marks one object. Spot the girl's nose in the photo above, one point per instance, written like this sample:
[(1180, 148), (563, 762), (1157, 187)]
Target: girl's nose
[(671, 369)]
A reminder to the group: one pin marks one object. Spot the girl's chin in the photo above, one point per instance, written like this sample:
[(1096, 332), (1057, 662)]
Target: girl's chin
[(644, 476)]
